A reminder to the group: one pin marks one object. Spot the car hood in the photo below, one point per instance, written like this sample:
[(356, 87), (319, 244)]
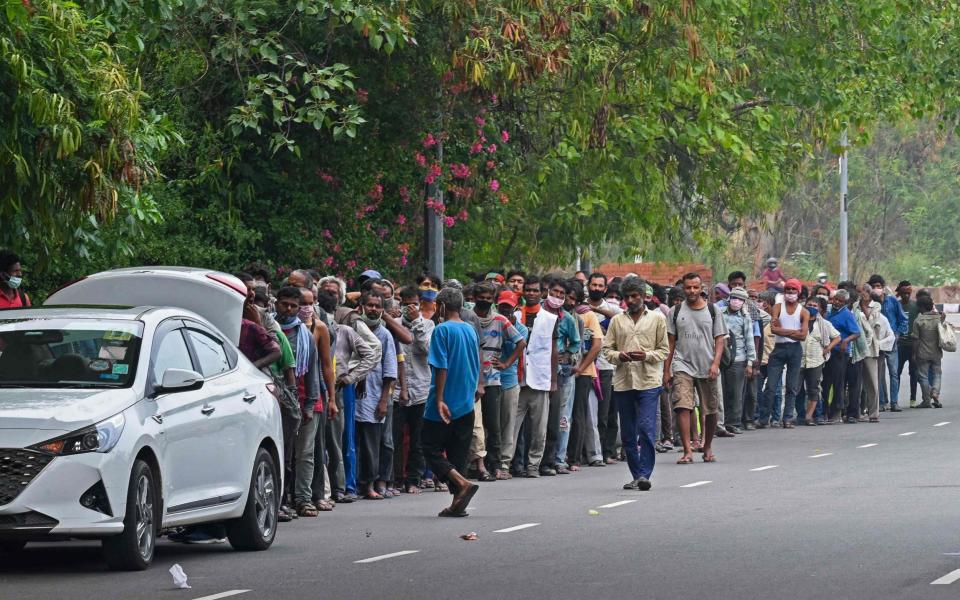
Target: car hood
[(61, 410)]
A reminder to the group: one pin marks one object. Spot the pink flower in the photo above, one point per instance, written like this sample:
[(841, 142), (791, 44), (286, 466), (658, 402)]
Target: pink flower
[(403, 260), (351, 264), (504, 199), (376, 192), (460, 170), (491, 165), (493, 99), (462, 215), (405, 194), (326, 177), (504, 136), (382, 232), (421, 159), (433, 173), (326, 234), (429, 141), (449, 221), (494, 185), (337, 247), (480, 121), (401, 219), (328, 261), (492, 148), (477, 148)]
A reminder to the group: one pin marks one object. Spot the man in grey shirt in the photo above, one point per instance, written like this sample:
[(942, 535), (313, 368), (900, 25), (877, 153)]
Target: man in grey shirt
[(697, 331), (414, 388)]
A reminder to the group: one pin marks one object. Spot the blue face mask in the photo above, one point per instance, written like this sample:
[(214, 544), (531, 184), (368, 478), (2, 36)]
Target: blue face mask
[(813, 312)]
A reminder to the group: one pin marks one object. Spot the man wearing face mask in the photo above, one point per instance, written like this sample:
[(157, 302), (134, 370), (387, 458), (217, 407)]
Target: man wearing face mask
[(607, 425), (11, 277), (636, 344), (568, 347), (371, 409), (740, 327), (789, 324), (890, 359), (415, 388)]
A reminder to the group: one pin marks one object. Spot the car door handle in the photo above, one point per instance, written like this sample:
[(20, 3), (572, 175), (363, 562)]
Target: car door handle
[(249, 398), (208, 410), (158, 418)]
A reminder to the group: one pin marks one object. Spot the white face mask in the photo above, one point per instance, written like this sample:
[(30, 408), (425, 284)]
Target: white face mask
[(736, 304), (791, 298), (14, 282)]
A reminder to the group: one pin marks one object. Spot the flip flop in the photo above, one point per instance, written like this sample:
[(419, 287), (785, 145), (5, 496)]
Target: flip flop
[(685, 460), (709, 458), (460, 505), (449, 513)]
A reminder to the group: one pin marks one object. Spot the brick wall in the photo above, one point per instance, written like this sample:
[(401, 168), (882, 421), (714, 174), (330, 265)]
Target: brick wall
[(656, 272)]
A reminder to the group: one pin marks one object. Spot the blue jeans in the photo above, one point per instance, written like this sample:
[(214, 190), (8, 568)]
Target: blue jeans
[(761, 380), (893, 374), (787, 356), (567, 387), (349, 439), (638, 428)]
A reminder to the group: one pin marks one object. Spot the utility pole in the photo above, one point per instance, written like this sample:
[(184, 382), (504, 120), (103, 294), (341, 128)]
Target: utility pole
[(432, 226), (844, 273)]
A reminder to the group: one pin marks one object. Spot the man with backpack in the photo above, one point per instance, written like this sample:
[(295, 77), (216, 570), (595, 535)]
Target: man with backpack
[(696, 330)]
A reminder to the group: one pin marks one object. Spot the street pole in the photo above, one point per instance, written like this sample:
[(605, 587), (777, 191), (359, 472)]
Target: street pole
[(844, 274), (433, 227)]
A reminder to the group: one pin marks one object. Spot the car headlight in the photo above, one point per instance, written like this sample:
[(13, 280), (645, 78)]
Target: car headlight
[(101, 437)]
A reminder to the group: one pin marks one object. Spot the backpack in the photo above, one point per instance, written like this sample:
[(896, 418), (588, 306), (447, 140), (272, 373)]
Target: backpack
[(947, 338), (729, 347)]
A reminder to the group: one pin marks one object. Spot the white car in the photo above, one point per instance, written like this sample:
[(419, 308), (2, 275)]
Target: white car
[(117, 423)]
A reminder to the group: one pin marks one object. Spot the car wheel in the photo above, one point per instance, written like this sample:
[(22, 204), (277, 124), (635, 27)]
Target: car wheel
[(11, 546), (257, 528), (133, 549)]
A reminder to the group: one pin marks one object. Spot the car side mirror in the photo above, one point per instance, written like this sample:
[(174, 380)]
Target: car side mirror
[(180, 380)]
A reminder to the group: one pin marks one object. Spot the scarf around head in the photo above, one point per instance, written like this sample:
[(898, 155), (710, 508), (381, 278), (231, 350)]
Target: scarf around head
[(304, 339)]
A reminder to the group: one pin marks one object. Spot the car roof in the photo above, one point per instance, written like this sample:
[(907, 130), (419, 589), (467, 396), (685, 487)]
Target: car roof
[(86, 311)]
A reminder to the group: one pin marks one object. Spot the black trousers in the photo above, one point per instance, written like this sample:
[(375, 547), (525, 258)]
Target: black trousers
[(492, 396), (835, 380), (319, 456), (447, 446), (578, 429), (607, 423), (410, 470), (369, 436), (906, 354), (854, 390)]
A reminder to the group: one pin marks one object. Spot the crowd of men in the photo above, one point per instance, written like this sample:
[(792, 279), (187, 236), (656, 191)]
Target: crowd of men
[(388, 390)]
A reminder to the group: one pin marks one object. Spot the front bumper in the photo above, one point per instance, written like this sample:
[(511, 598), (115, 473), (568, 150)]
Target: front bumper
[(48, 505)]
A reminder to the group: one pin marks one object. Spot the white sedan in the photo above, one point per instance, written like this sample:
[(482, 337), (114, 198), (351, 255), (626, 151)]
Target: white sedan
[(118, 423)]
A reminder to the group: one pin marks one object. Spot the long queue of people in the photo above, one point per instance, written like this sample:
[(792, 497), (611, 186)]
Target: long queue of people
[(388, 390)]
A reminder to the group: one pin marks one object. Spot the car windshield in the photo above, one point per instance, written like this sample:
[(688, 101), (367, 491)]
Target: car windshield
[(68, 353)]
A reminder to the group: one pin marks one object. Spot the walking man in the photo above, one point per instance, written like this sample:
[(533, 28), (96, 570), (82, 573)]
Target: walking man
[(636, 345)]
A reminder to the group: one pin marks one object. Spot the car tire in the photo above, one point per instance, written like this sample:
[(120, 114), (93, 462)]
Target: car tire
[(256, 529), (133, 549), (10, 547)]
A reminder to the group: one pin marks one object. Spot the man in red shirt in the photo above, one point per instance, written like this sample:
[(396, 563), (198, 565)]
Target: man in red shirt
[(11, 276)]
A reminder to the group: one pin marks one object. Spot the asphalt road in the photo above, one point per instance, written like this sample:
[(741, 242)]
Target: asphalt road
[(847, 511)]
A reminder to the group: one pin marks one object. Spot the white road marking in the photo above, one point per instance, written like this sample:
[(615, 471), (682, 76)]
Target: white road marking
[(616, 504), (696, 484), (947, 579), (821, 455), (905, 434), (766, 468), (867, 446), (942, 424), (384, 557), (516, 528), (223, 595)]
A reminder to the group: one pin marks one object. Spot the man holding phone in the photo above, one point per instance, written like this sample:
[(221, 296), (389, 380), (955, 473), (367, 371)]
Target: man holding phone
[(636, 344)]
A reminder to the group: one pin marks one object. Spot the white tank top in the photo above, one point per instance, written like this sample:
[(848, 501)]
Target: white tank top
[(788, 321)]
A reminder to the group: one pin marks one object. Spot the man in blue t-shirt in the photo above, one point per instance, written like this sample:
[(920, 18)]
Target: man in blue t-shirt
[(835, 370), (454, 387)]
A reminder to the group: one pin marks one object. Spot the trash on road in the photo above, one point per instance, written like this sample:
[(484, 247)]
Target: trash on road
[(470, 537), (179, 577), (593, 513)]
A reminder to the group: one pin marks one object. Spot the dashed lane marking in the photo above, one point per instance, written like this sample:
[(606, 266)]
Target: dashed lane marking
[(867, 446), (385, 557), (906, 433), (941, 424), (947, 579), (516, 528), (821, 455), (223, 595), (766, 468), (696, 484), (616, 504)]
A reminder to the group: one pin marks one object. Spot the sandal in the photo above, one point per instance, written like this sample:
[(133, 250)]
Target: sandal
[(574, 468), (324, 506), (440, 486), (307, 510), (486, 476), (449, 513), (372, 495), (413, 489), (503, 475), (709, 458), (685, 460)]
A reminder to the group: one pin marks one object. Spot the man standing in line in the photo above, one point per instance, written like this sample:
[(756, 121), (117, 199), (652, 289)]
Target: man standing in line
[(890, 359), (789, 325), (568, 348), (835, 372), (927, 351), (697, 333), (636, 344), (906, 341), (510, 362), (415, 388), (740, 327), (448, 416), (606, 410)]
